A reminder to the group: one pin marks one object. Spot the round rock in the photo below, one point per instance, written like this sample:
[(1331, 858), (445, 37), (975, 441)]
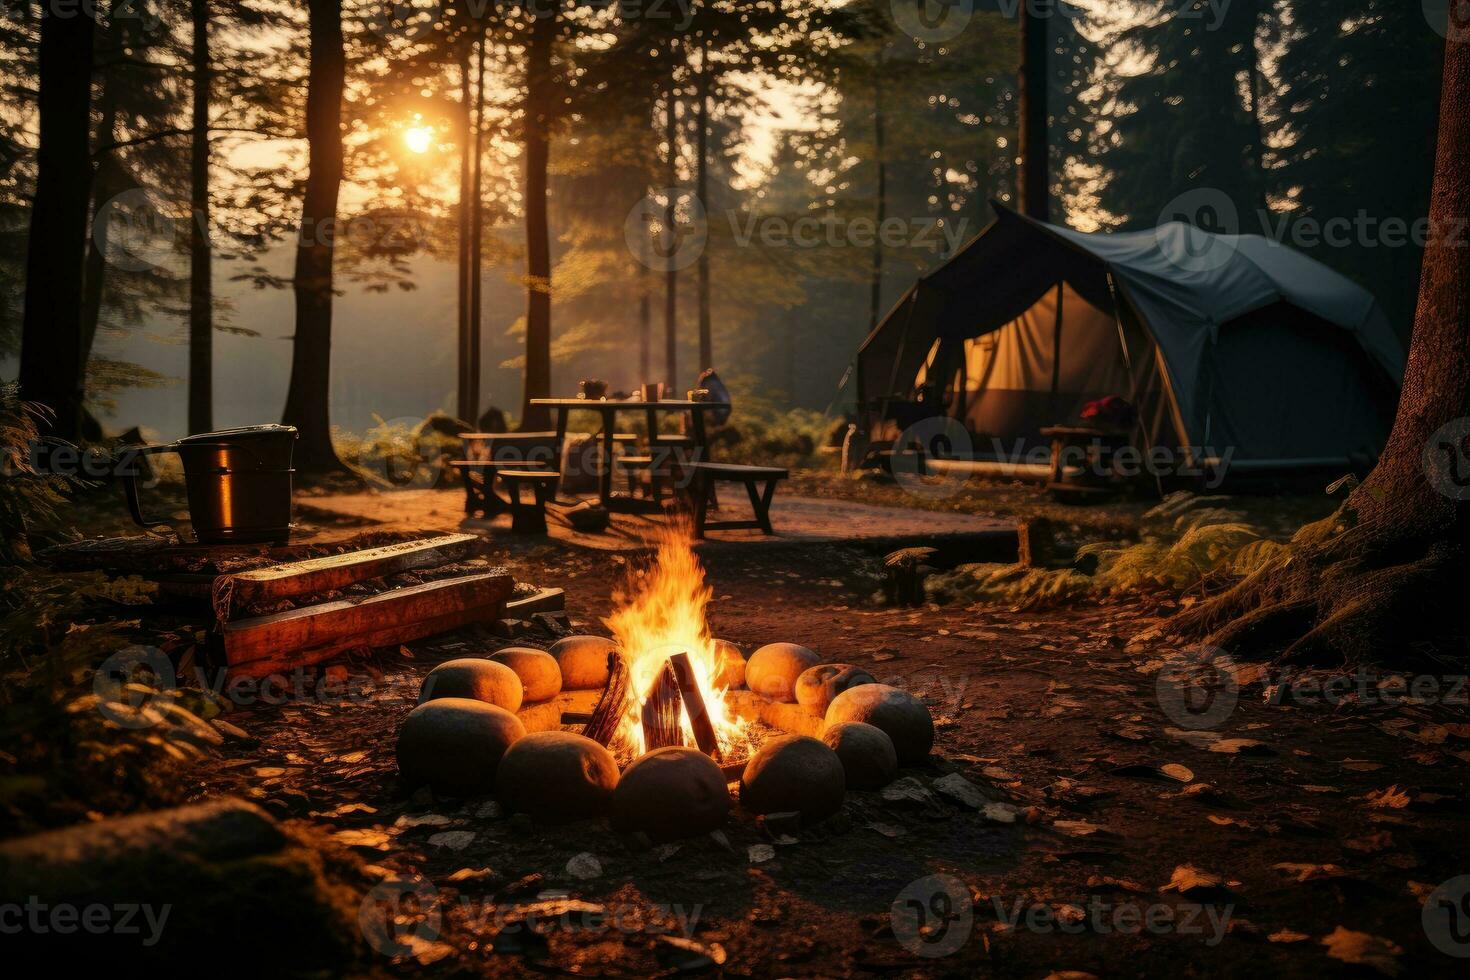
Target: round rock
[(817, 686), (476, 679), (729, 666), (537, 669), (901, 716), (556, 777), (456, 745), (583, 661), (773, 669), (867, 754), (794, 772), (671, 793)]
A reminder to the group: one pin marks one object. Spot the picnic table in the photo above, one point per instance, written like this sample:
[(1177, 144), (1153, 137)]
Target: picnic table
[(608, 411)]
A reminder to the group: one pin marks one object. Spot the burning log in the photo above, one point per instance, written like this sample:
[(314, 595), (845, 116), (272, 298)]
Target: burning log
[(662, 711), (694, 706), (603, 724)]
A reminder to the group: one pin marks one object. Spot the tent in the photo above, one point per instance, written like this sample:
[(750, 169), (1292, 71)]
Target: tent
[(1226, 345)]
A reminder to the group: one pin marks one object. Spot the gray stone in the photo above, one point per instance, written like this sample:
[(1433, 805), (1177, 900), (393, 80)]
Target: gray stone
[(794, 772), (867, 754), (556, 776), (476, 679), (455, 745), (773, 669), (583, 661), (817, 686), (671, 793), (540, 676), (960, 790), (903, 717)]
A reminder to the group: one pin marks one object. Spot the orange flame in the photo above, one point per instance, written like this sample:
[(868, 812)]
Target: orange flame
[(663, 613)]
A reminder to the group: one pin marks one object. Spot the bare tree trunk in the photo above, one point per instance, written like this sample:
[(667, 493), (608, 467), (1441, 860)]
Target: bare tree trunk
[(201, 287), (671, 181), (1383, 578), (477, 222), (875, 275), (536, 141), (308, 398), (706, 339), (104, 187), (645, 324), (51, 368), (1033, 180), (462, 406)]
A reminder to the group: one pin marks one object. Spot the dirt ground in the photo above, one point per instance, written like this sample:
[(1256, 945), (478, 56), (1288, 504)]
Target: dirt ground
[(1129, 824)]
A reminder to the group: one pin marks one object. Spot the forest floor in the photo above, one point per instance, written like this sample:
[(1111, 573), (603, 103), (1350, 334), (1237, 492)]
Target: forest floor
[(1299, 833)]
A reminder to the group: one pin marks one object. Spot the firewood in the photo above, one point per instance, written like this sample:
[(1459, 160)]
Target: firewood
[(610, 710), (694, 706), (662, 712), (332, 572), (264, 645)]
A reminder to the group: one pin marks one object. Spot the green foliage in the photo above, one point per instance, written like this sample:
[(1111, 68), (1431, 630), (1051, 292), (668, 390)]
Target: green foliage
[(26, 497), (763, 433), (1188, 543)]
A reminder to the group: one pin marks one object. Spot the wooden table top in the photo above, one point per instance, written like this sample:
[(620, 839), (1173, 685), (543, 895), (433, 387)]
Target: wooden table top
[(608, 404)]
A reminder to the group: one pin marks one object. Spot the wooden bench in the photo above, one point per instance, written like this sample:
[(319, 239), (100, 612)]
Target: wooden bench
[(529, 517), (704, 477)]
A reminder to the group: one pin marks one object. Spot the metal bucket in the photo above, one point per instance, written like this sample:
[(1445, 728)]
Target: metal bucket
[(238, 483)]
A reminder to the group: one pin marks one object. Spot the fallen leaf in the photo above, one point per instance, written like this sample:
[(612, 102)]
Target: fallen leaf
[(760, 853), (1187, 878), (1287, 936), (1391, 798), (1362, 949)]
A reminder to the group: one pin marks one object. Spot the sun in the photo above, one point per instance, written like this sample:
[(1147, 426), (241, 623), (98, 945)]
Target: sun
[(419, 138)]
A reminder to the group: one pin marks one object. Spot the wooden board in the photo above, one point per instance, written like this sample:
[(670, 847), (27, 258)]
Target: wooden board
[(338, 571), (264, 645), (795, 718)]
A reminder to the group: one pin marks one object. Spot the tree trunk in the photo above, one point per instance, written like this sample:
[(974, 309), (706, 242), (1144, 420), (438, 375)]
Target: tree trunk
[(201, 289), (671, 180), (104, 187), (51, 368), (1033, 179), (645, 325), (462, 406), (308, 398), (701, 190), (536, 140), (875, 275), (477, 222), (1383, 578)]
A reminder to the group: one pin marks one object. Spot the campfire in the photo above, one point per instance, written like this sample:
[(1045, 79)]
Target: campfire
[(665, 679)]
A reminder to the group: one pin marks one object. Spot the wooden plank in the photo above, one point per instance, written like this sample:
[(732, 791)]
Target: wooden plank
[(699, 719), (608, 715), (795, 718), (338, 571), (545, 600), (264, 645)]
